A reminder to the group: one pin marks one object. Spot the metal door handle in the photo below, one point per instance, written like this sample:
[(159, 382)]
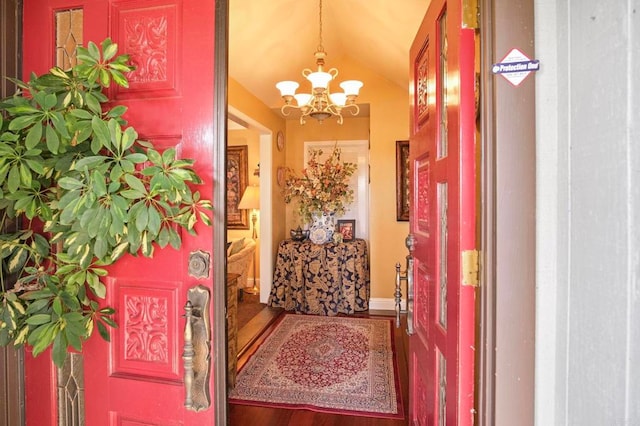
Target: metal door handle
[(410, 242), (410, 293), (406, 276), (196, 355), (400, 276)]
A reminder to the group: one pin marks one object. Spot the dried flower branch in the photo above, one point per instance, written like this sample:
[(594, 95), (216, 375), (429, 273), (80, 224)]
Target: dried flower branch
[(323, 187)]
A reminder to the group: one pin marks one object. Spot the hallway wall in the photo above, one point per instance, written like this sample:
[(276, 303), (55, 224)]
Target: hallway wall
[(588, 270)]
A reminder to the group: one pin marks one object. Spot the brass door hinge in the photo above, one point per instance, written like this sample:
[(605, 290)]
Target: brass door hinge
[(470, 268), (470, 12)]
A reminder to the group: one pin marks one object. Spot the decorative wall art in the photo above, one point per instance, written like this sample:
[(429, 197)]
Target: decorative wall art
[(237, 178), (281, 175), (403, 181)]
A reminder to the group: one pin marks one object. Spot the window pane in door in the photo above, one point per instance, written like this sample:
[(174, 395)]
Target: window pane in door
[(442, 252), (442, 389), (68, 36), (441, 85)]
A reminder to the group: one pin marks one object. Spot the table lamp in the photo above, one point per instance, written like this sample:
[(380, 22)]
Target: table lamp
[(251, 201)]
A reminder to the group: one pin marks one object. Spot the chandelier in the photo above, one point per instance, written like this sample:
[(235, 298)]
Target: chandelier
[(320, 103)]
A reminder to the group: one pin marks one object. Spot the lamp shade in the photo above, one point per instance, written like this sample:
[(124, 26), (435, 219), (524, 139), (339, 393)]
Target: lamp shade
[(303, 98), (351, 87), (339, 98), (250, 199), (319, 80), (287, 88)]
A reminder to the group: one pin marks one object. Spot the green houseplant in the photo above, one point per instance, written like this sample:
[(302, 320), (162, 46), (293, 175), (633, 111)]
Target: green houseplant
[(84, 190)]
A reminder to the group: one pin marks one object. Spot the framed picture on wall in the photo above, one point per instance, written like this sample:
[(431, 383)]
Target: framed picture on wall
[(348, 229), (237, 178), (403, 184)]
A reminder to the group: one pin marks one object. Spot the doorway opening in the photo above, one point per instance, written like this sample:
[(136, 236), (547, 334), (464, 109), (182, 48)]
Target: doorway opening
[(249, 241)]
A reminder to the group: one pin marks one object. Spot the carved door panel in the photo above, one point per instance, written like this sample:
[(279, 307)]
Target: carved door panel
[(137, 378), (442, 217)]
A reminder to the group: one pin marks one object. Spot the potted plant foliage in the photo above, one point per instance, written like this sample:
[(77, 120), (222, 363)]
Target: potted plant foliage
[(78, 190)]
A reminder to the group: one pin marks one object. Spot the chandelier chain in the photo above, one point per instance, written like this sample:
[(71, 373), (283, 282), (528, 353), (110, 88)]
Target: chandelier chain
[(320, 47)]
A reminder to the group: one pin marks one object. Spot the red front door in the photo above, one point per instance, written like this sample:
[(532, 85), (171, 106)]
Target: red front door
[(137, 379), (442, 218)]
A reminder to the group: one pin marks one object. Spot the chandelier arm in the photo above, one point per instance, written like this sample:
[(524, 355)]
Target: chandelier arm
[(333, 109), (299, 107), (285, 109), (355, 107)]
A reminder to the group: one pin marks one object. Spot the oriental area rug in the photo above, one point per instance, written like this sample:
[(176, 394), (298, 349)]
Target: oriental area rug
[(337, 365)]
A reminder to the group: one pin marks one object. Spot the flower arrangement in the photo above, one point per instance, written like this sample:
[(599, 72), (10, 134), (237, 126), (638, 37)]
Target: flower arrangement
[(323, 187)]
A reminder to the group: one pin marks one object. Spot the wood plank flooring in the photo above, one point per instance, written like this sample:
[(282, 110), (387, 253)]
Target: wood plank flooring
[(244, 415)]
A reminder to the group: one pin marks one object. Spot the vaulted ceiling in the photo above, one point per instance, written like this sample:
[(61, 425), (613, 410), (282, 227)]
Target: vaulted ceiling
[(274, 40)]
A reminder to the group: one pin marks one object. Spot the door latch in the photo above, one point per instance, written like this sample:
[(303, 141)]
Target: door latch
[(199, 262)]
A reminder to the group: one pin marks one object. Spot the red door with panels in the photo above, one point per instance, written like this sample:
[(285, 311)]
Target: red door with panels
[(442, 218), (138, 378)]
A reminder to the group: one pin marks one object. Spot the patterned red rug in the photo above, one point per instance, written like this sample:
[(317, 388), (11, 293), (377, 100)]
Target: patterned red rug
[(332, 364)]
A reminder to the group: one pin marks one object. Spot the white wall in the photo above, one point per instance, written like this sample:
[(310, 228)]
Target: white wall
[(588, 218)]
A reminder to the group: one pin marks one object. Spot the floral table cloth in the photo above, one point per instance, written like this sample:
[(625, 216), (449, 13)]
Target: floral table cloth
[(325, 279)]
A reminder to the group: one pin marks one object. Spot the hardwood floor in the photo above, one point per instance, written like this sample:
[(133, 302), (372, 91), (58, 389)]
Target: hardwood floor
[(252, 331), (245, 415)]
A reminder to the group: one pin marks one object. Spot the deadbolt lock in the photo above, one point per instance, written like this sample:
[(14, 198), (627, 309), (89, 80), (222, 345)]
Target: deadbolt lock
[(199, 262)]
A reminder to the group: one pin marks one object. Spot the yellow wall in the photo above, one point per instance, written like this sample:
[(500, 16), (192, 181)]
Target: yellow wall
[(249, 105), (387, 123)]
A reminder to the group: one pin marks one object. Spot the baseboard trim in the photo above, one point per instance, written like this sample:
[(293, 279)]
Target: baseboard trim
[(375, 303), (384, 304)]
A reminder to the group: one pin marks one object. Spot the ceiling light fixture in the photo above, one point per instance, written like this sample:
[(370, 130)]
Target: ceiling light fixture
[(320, 103)]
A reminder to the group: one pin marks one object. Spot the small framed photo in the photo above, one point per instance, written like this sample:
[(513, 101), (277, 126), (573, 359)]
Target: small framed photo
[(347, 228)]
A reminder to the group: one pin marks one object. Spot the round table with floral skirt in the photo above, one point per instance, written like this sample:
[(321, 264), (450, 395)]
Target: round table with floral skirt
[(321, 279)]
